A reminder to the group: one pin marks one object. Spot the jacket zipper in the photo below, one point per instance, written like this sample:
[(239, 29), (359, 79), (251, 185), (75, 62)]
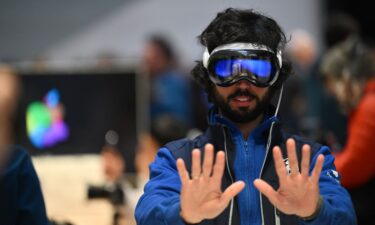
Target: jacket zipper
[(245, 145)]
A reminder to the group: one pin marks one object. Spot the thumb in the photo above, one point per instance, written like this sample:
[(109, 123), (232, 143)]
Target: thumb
[(266, 190), (232, 191)]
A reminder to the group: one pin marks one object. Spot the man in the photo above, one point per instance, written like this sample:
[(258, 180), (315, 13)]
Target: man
[(263, 176)]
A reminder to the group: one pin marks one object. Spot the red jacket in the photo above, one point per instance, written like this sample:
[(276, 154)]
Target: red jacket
[(356, 162)]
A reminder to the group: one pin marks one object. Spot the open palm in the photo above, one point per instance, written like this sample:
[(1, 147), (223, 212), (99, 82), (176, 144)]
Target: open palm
[(201, 195), (298, 192)]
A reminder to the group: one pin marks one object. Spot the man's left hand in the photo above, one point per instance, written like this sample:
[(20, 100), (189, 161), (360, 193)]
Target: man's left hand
[(298, 192)]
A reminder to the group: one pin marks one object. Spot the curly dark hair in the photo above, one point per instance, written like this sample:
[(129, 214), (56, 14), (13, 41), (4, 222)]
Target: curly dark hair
[(235, 25)]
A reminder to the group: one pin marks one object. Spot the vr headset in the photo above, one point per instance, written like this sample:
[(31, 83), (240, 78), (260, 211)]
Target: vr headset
[(229, 63)]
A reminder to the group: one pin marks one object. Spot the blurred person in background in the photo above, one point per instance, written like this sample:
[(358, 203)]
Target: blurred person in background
[(170, 88), (163, 130), (322, 107), (349, 72), (20, 192), (114, 189), (113, 165), (230, 174), (115, 186), (302, 49), (9, 95), (294, 111), (111, 158)]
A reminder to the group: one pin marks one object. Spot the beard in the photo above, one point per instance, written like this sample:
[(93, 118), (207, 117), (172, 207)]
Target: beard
[(243, 114)]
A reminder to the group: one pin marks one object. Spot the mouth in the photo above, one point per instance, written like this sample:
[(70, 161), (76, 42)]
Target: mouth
[(242, 98), (242, 101)]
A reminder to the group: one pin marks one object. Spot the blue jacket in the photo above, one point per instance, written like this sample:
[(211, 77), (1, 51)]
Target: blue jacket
[(21, 198), (247, 160)]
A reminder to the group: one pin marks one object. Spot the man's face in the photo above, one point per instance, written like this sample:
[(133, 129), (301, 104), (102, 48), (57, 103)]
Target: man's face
[(242, 102)]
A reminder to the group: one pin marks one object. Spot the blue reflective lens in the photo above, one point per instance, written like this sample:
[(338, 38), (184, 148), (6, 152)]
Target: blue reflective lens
[(258, 67), (231, 67), (223, 68)]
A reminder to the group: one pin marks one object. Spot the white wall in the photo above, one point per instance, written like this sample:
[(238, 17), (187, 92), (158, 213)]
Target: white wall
[(123, 32)]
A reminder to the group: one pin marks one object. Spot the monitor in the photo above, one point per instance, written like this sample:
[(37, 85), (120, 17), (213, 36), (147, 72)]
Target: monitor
[(71, 113)]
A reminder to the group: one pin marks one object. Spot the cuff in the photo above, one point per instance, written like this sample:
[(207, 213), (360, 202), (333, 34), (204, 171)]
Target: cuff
[(173, 214), (317, 211)]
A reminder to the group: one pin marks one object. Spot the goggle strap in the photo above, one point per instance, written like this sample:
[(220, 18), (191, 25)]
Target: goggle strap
[(206, 56), (279, 59), (240, 46)]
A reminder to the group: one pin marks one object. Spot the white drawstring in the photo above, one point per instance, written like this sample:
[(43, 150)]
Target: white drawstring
[(231, 177), (267, 150)]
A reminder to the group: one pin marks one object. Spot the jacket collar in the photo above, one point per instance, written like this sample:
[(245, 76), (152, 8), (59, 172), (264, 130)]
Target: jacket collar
[(215, 118)]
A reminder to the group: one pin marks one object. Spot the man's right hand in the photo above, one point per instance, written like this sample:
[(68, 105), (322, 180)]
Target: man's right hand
[(201, 195)]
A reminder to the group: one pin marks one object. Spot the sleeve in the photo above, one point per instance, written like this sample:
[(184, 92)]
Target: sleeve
[(337, 208), (160, 203), (356, 162)]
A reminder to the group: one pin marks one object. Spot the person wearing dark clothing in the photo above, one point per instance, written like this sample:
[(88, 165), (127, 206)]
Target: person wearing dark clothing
[(244, 169), (21, 196), (170, 89)]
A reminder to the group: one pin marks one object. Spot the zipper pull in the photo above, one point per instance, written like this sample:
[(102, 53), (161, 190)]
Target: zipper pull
[(246, 146)]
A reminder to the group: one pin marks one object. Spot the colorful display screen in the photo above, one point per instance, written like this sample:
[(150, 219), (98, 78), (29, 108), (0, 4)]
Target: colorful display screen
[(45, 123), (71, 113)]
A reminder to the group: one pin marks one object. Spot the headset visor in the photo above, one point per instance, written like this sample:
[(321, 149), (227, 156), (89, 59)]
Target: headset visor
[(260, 67)]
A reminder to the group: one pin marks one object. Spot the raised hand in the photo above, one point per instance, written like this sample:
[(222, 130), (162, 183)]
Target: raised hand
[(298, 192), (201, 195)]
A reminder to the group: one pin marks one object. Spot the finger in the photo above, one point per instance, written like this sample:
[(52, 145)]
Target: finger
[(267, 191), (231, 192), (184, 175), (305, 163), (279, 164), (292, 156), (208, 160), (196, 164), (219, 167), (317, 169)]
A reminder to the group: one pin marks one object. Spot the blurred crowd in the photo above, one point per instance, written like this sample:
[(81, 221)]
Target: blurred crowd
[(330, 99)]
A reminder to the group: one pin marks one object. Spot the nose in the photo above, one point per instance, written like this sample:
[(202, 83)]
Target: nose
[(243, 84)]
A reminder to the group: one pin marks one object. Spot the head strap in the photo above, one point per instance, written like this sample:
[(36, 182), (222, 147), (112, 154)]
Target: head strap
[(240, 46)]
